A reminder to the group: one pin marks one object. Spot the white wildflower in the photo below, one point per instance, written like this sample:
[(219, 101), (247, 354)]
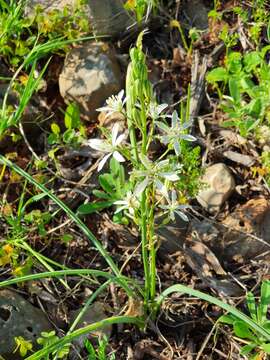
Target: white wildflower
[(130, 203), (115, 103), (173, 207), (154, 172), (155, 110), (175, 133), (108, 146)]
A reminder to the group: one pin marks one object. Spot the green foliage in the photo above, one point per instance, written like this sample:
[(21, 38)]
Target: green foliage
[(141, 8), (74, 132), (114, 186), (247, 79), (256, 343), (49, 338), (24, 346), (18, 31), (101, 352)]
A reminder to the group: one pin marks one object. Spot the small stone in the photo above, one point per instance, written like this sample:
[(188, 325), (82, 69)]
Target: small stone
[(19, 318), (90, 75), (219, 184)]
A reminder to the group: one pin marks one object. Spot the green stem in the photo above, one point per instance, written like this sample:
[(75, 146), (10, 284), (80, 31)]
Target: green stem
[(145, 256), (152, 247), (129, 107)]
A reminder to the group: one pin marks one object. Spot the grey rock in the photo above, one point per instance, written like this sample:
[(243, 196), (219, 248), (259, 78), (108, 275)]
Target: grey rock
[(196, 14), (218, 186), (47, 5), (90, 75), (18, 318), (108, 17)]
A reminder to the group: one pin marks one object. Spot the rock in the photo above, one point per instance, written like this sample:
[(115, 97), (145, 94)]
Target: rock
[(106, 17), (196, 14), (18, 318), (219, 186), (252, 218), (94, 313), (90, 75), (47, 5)]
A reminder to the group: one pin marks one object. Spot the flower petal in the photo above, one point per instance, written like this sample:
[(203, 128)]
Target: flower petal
[(170, 176), (118, 156), (141, 187), (161, 187), (97, 144), (103, 161), (188, 137), (114, 133), (182, 215), (146, 162), (119, 139), (176, 147), (163, 126), (161, 107), (175, 119)]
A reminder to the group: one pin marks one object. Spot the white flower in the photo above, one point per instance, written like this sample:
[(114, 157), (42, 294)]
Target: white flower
[(108, 147), (174, 208), (153, 172), (155, 110), (173, 134), (115, 103), (130, 203)]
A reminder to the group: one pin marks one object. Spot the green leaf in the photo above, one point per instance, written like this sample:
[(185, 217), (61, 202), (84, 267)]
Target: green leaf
[(90, 349), (55, 129), (251, 303), (86, 209), (234, 62), (101, 194), (72, 116), (266, 348), (242, 330), (252, 60), (264, 301), (69, 136), (235, 90), (227, 319), (247, 349), (217, 74), (106, 181)]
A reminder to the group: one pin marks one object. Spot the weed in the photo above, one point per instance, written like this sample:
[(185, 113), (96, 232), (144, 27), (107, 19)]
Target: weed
[(257, 344), (247, 78), (100, 353)]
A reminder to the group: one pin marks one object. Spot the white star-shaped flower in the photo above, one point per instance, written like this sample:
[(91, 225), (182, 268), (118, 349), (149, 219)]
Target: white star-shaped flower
[(154, 172), (175, 133), (114, 103), (108, 146), (173, 207)]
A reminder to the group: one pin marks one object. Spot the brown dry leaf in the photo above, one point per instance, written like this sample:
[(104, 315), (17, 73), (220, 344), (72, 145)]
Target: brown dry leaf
[(135, 308)]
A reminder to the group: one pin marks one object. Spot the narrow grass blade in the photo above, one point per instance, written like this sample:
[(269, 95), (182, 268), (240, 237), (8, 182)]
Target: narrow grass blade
[(41, 354), (241, 316)]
